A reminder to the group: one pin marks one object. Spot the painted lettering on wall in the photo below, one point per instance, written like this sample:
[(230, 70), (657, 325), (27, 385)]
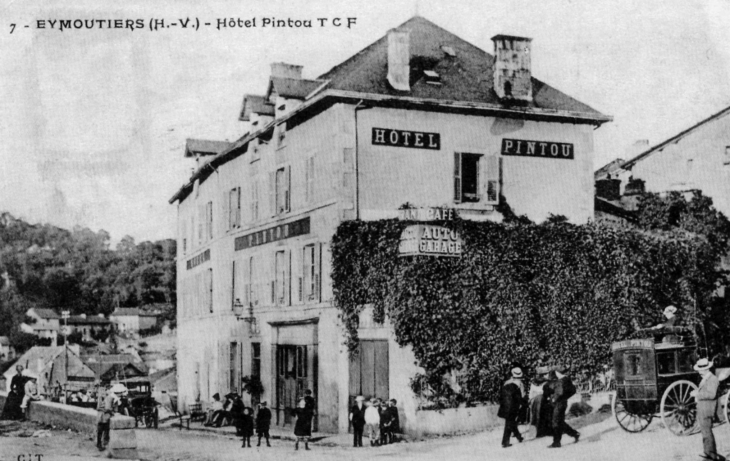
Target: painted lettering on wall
[(405, 138), (273, 234), (429, 240), (541, 149), (199, 259), (427, 214)]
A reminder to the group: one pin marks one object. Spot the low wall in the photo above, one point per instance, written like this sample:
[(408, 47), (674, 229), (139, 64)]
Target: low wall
[(453, 420), (122, 443)]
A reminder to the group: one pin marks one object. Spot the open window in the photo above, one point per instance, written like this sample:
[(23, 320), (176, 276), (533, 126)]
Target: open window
[(476, 178), (283, 190)]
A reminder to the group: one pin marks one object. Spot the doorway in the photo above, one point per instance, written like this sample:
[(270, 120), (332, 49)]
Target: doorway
[(369, 371)]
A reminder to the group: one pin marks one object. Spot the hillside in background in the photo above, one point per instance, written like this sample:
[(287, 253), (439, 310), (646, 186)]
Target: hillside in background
[(49, 267)]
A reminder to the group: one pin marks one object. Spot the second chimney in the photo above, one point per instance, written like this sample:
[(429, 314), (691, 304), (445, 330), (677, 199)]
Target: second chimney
[(399, 68), (284, 70), (512, 67)]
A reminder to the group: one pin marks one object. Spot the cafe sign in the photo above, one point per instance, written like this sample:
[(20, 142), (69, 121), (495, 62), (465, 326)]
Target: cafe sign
[(429, 240), (537, 149), (427, 214)]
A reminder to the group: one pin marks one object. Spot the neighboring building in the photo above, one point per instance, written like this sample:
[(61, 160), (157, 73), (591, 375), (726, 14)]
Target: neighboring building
[(7, 352), (420, 117), (108, 368), (133, 319), (46, 323), (49, 364), (89, 326), (698, 158)]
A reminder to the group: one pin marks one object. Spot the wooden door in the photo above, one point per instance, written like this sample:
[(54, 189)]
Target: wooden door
[(295, 374), (369, 371)]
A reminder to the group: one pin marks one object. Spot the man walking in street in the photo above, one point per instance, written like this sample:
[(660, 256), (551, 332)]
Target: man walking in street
[(510, 404), (357, 418), (706, 397), (106, 408), (559, 390)]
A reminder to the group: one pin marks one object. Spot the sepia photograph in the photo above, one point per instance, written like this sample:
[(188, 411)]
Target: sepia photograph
[(340, 230)]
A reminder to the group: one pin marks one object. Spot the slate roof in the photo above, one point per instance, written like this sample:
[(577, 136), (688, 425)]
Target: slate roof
[(464, 77), (297, 88), (88, 320), (46, 355), (204, 147), (102, 364), (47, 314), (254, 104), (659, 147)]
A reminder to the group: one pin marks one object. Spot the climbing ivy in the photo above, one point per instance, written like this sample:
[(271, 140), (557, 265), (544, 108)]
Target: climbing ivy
[(520, 292)]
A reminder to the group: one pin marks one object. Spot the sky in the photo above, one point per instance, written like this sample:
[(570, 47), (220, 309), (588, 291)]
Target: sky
[(93, 122)]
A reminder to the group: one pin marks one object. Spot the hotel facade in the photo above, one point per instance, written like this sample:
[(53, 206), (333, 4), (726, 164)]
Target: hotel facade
[(420, 117)]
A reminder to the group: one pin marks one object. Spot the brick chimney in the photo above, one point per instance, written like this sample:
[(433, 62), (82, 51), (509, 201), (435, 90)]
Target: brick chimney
[(399, 68), (284, 70), (512, 67)]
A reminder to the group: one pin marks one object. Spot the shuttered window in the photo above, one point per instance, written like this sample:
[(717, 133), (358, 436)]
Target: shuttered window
[(476, 178)]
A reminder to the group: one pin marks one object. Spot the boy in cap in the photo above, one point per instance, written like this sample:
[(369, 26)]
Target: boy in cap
[(263, 423), (357, 418), (510, 404), (706, 398)]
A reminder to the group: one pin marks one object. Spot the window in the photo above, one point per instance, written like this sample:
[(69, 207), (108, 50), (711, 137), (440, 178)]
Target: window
[(633, 364), (476, 178), (281, 136), (249, 295), (256, 360), (665, 363), (727, 156), (209, 220), (281, 283), (233, 284), (210, 289), (255, 201), (309, 180), (283, 183), (234, 208), (311, 273), (233, 367)]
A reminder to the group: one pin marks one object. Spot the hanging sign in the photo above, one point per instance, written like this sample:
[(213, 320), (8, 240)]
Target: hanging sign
[(429, 240), (541, 149)]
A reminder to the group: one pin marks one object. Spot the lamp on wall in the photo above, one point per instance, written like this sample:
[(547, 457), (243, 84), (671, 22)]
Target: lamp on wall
[(238, 309)]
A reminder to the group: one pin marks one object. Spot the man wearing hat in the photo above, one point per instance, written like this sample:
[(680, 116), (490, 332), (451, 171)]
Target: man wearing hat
[(510, 404), (670, 313), (31, 390), (106, 411), (559, 390), (357, 418), (706, 398)]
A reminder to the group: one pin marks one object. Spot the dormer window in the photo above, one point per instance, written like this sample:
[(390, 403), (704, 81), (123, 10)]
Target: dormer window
[(432, 77)]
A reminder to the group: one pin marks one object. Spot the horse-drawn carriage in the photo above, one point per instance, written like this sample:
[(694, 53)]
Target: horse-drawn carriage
[(140, 403), (656, 379)]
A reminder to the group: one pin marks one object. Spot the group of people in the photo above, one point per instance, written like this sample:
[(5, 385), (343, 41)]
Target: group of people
[(544, 406), (23, 390), (378, 417), (234, 412)]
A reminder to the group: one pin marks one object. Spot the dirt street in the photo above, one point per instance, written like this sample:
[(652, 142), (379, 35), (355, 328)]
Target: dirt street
[(600, 441)]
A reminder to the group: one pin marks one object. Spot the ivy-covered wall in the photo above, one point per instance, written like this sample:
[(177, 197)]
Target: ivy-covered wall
[(520, 292)]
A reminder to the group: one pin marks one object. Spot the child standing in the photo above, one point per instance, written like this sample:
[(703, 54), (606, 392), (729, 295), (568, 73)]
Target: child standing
[(372, 421), (303, 426), (246, 423), (263, 423)]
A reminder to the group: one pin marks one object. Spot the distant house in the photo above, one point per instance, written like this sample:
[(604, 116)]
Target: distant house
[(46, 323), (133, 319), (108, 368), (89, 325), (49, 364), (7, 352)]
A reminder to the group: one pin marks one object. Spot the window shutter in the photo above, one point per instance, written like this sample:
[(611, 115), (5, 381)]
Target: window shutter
[(491, 180), (287, 192), (307, 197), (287, 279), (318, 273), (210, 289), (457, 177), (238, 207), (233, 283), (272, 193), (246, 282)]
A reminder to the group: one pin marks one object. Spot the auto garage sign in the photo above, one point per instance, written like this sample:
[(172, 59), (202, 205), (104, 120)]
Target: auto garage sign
[(429, 240)]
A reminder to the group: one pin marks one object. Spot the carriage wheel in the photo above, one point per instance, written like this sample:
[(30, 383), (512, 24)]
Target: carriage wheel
[(628, 421), (679, 408)]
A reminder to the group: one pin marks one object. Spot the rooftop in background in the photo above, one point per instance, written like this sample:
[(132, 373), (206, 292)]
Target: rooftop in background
[(194, 147), (254, 104), (87, 320), (46, 314), (133, 311)]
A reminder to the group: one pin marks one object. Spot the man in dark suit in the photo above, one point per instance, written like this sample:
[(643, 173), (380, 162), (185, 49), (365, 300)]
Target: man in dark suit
[(357, 418), (559, 390), (510, 404)]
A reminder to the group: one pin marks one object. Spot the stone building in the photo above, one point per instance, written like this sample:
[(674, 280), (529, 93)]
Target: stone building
[(419, 117)]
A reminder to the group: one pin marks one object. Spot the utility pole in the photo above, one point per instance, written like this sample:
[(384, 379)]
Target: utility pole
[(65, 315)]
